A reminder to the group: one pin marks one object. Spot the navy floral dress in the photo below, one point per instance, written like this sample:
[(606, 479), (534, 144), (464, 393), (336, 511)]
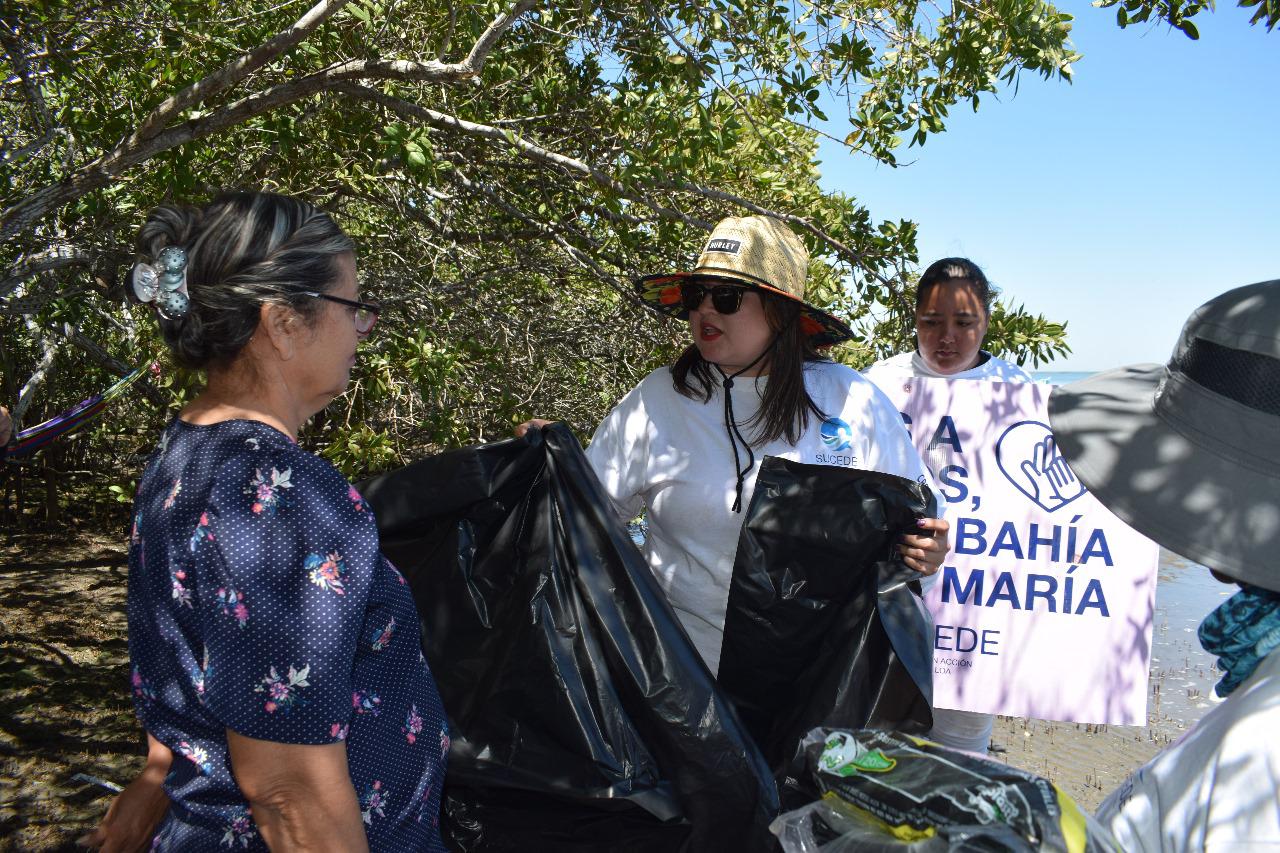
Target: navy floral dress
[(259, 602)]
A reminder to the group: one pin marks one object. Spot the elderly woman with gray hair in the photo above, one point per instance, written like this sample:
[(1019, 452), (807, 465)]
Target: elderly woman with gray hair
[(276, 663), (1188, 454)]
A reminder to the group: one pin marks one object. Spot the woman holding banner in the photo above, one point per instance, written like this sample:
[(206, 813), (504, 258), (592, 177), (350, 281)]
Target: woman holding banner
[(1186, 454), (751, 378), (953, 310)]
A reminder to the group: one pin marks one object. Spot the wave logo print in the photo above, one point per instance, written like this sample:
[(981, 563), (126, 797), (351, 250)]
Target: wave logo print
[(1028, 457), (836, 434)]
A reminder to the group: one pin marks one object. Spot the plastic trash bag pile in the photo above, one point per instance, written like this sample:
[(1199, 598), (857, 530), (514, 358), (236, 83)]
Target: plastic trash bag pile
[(582, 717), (883, 791)]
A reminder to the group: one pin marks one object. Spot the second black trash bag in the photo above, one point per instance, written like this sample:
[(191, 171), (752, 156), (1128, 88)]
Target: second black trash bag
[(822, 628), (583, 719)]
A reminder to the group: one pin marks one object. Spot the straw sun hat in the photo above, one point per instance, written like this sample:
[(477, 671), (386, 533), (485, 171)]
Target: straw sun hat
[(1188, 453), (756, 251)]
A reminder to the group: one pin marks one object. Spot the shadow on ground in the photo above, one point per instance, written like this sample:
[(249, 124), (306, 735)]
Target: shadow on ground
[(64, 687)]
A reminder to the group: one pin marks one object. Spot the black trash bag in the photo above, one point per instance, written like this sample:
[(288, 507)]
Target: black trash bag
[(582, 717), (822, 628)]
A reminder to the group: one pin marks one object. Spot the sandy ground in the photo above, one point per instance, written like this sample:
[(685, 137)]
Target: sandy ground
[(66, 720), (1086, 761), (1089, 761), (64, 687)]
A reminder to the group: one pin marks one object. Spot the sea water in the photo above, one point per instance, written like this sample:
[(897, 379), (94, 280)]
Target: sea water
[(1060, 377)]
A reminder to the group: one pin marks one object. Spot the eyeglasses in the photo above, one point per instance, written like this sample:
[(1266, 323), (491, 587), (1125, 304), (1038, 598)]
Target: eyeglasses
[(725, 298), (366, 313)]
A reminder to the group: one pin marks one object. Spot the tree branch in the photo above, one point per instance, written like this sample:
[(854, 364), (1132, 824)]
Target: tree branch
[(542, 155), (55, 258), (104, 358), (35, 97), (489, 38), (575, 254), (234, 71), (533, 152), (24, 152), (27, 394), (139, 147), (32, 303)]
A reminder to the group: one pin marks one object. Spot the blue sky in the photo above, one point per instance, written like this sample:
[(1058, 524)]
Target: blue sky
[(1117, 203)]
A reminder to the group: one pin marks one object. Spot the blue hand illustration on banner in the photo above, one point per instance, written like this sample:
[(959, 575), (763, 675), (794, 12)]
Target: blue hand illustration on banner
[(1028, 457), (836, 434)]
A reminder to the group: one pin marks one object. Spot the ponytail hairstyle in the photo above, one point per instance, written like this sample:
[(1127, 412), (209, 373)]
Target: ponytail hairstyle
[(243, 249), (786, 405)]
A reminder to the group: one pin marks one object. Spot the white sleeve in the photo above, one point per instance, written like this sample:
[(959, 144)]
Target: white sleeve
[(1007, 371), (891, 449), (619, 453), (878, 373), (1132, 814), (885, 373)]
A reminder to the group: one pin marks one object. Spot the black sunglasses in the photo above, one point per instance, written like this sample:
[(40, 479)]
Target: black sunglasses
[(725, 298), (366, 313)]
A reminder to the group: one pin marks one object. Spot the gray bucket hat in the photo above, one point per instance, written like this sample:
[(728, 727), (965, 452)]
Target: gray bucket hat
[(1188, 453)]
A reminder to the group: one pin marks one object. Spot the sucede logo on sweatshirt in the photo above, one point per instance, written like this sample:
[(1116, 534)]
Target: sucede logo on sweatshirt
[(837, 437)]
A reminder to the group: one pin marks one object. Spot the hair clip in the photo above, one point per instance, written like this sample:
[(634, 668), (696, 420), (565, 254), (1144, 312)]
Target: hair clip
[(164, 283)]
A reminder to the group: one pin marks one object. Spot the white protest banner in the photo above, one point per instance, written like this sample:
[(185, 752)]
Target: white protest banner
[(1044, 607)]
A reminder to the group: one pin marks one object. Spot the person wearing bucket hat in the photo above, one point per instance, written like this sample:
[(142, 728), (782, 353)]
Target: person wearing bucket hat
[(953, 310), (686, 444), (1188, 453)]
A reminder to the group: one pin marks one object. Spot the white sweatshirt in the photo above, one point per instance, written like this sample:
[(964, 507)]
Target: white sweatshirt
[(670, 453), (905, 365), (1215, 789)]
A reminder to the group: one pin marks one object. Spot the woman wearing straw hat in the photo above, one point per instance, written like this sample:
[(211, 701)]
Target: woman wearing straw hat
[(953, 310), (1189, 454), (687, 442)]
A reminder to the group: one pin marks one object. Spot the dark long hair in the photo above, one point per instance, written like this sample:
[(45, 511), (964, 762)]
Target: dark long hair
[(786, 406)]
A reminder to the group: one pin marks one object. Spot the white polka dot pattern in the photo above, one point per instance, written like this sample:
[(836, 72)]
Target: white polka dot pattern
[(259, 602)]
